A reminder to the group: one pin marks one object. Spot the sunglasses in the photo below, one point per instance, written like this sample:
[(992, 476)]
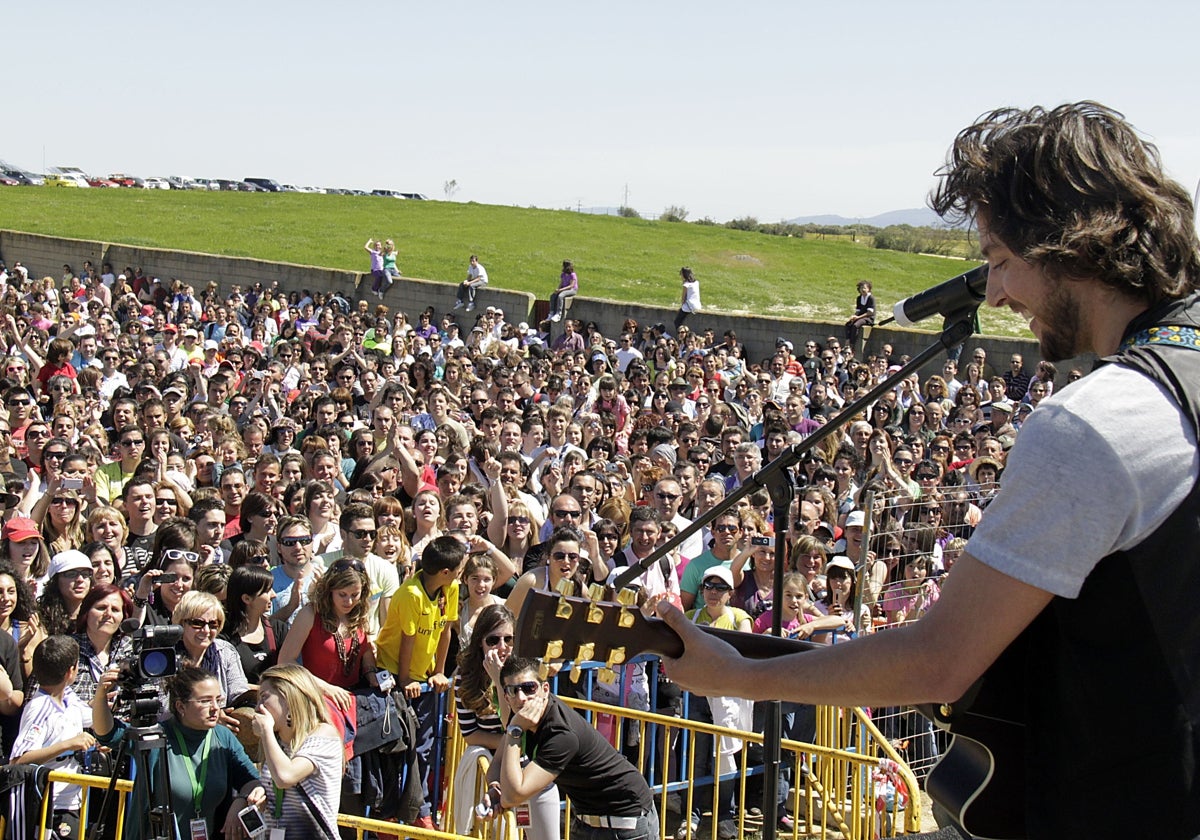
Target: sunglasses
[(75, 574), (518, 520), (668, 497), (561, 512), (495, 639), (527, 689), (160, 502), (717, 586), (201, 624), (181, 554), (726, 529), (133, 442), (349, 564), (565, 555), (292, 542), (64, 500)]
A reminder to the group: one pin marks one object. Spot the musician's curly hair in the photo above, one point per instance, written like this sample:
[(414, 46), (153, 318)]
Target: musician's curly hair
[(1076, 192)]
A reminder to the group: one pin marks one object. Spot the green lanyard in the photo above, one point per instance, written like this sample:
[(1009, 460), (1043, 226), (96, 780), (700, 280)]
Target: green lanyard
[(197, 784), (278, 801)]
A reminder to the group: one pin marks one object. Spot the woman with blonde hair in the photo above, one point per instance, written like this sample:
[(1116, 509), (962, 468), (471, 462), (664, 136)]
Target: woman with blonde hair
[(105, 524), (62, 526), (302, 751)]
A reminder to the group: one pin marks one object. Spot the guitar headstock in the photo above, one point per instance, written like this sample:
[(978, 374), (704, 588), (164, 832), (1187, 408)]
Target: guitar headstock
[(603, 627), (559, 626)]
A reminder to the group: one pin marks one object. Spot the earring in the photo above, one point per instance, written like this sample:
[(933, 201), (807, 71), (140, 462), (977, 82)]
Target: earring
[(289, 720)]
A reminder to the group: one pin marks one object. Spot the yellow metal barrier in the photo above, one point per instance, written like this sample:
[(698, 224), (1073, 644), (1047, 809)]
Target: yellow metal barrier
[(835, 784)]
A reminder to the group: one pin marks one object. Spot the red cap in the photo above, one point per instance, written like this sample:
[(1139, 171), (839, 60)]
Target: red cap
[(21, 528), (170, 328)]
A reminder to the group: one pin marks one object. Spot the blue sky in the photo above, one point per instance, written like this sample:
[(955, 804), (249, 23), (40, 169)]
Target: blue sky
[(769, 109)]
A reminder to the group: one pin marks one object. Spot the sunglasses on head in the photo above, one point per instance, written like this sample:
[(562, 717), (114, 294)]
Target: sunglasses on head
[(180, 554), (348, 564)]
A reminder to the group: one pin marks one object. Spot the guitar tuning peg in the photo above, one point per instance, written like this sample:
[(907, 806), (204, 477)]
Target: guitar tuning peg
[(554, 649), (595, 614), (625, 619), (564, 609), (606, 676), (544, 672), (597, 591), (575, 674), (616, 656), (627, 597), (566, 587)]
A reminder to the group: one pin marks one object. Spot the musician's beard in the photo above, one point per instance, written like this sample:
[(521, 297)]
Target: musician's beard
[(1061, 325)]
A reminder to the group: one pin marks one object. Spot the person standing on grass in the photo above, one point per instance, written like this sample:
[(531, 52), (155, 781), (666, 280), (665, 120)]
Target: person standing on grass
[(568, 287), (690, 302), (378, 275), (477, 278)]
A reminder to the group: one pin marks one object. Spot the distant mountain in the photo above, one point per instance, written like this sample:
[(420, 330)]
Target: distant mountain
[(917, 217)]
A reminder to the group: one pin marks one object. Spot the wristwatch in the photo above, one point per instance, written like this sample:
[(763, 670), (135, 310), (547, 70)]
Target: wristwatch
[(515, 732)]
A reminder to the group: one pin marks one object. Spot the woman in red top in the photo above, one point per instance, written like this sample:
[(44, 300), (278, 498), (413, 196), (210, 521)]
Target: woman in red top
[(329, 634)]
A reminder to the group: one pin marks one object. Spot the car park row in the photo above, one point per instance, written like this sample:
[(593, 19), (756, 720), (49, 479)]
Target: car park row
[(73, 177)]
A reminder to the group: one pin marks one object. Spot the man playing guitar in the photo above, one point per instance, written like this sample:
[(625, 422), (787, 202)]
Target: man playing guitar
[(1085, 571)]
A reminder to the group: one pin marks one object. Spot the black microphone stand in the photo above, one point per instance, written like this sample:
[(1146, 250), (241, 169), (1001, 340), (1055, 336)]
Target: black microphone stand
[(777, 480)]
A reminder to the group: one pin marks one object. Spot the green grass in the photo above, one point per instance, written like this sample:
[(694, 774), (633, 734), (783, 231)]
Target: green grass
[(617, 259)]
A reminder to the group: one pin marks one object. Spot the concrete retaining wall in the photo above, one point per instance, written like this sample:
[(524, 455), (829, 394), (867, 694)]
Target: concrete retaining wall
[(45, 255)]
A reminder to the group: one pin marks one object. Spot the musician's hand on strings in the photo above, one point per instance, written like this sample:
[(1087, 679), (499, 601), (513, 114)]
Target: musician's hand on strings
[(708, 666)]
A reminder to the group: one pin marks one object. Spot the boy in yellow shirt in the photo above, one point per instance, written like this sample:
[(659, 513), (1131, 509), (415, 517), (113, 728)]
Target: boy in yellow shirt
[(414, 643)]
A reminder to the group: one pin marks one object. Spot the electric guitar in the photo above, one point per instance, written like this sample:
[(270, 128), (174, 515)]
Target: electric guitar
[(978, 782)]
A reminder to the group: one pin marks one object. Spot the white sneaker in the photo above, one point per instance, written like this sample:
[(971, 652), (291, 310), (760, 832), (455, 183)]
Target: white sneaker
[(458, 304), (555, 318)]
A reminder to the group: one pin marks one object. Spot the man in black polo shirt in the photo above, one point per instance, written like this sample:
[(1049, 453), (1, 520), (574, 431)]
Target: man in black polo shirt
[(609, 798)]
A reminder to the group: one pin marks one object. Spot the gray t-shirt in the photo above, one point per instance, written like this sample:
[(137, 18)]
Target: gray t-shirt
[(1096, 469)]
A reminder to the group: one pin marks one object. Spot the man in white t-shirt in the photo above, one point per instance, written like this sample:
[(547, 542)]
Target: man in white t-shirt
[(477, 278), (1093, 515)]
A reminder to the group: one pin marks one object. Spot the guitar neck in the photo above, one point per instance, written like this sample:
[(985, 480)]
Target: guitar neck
[(749, 645)]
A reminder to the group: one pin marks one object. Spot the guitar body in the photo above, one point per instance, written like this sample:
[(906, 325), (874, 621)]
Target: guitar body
[(980, 780)]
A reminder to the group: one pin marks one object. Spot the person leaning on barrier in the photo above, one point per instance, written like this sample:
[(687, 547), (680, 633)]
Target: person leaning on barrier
[(609, 798)]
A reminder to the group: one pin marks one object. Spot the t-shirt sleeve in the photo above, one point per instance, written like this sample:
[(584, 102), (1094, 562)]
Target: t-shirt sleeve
[(1081, 482), (556, 750)]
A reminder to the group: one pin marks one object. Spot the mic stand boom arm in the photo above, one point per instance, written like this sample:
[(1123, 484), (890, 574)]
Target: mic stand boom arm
[(957, 329)]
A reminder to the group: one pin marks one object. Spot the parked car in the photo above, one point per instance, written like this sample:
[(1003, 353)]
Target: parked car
[(6, 181), (123, 180), (415, 196), (97, 181), (250, 186), (388, 193), (206, 184), (289, 188), (23, 178), (157, 184), (53, 179), (264, 184)]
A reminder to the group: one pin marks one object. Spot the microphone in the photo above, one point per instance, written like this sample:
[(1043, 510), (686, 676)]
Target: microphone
[(960, 293), (130, 626)]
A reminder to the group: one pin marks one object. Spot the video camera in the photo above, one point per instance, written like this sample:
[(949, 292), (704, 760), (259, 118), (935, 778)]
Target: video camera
[(139, 677)]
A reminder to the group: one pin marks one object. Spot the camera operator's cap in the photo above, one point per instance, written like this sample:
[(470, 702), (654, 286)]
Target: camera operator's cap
[(718, 571), (68, 560), (21, 528), (856, 518), (840, 562)]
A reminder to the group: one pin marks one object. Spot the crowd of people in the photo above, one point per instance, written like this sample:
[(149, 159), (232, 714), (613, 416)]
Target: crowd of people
[(330, 496)]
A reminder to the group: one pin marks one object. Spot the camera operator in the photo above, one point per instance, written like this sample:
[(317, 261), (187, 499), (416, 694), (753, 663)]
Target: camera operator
[(217, 775)]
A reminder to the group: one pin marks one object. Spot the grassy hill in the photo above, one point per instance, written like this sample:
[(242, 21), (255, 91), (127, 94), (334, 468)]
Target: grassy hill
[(616, 258)]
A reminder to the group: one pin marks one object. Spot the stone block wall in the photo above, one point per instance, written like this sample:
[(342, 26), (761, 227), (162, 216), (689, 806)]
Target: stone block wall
[(45, 255)]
